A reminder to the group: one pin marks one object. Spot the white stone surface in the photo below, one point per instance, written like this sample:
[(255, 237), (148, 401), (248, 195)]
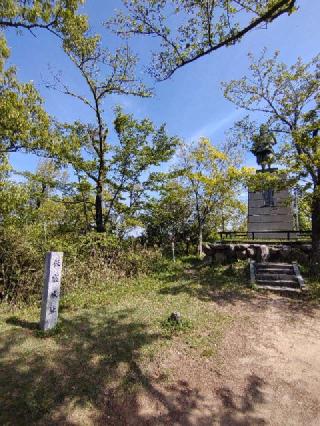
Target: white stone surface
[(51, 290)]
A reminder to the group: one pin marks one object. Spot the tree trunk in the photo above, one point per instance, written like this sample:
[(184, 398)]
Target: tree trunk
[(85, 212), (200, 241), (99, 210), (187, 246), (84, 205), (315, 261), (173, 250)]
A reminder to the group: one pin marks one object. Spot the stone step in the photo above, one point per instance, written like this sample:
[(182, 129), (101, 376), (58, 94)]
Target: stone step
[(278, 283), (278, 288), (277, 265), (273, 265), (274, 270), (275, 277)]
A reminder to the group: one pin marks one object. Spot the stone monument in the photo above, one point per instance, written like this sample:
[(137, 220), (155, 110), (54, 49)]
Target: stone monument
[(51, 290), (268, 210)]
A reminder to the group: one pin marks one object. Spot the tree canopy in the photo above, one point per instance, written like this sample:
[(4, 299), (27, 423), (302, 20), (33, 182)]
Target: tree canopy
[(188, 30), (57, 16), (214, 184), (24, 124), (288, 97)]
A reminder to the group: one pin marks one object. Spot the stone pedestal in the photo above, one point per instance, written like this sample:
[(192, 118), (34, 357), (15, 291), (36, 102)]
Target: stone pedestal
[(270, 211)]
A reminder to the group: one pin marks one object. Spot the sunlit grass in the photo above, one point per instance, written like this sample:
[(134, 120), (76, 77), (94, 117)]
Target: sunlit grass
[(109, 335)]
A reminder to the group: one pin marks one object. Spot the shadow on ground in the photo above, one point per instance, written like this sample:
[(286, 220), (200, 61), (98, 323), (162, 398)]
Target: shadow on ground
[(93, 370), (237, 411), (180, 403), (96, 364), (90, 363), (30, 325)]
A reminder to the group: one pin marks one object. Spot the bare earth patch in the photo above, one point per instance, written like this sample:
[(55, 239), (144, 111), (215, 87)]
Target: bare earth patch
[(267, 372)]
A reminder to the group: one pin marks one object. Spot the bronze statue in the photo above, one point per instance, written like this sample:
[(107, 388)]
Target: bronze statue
[(262, 147)]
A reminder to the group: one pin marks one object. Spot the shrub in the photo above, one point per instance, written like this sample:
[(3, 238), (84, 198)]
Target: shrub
[(19, 263), (88, 260)]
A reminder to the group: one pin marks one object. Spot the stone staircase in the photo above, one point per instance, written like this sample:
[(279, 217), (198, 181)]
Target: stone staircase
[(276, 276)]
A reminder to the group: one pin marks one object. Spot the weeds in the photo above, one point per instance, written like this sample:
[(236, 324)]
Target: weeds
[(171, 327)]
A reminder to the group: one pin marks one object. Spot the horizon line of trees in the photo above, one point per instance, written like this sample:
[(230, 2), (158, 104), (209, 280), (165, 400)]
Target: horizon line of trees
[(114, 183)]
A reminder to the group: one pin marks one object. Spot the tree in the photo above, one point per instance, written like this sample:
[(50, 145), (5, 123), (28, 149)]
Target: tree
[(303, 209), (289, 99), (24, 124), (14, 207), (30, 201), (212, 180), (141, 147), (189, 29), (57, 16), (86, 146), (120, 172), (169, 218), (44, 182), (104, 74)]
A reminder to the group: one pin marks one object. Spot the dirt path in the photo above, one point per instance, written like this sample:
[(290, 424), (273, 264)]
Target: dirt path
[(266, 373), (279, 358)]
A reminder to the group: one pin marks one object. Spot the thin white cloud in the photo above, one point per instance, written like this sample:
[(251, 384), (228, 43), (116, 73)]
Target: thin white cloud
[(210, 128)]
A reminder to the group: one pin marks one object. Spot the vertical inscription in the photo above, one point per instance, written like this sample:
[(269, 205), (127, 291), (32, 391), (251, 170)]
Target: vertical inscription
[(51, 290)]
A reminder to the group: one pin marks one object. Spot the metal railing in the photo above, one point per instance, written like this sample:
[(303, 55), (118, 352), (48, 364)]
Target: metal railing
[(253, 235)]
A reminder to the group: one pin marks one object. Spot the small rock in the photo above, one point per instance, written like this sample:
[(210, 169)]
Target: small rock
[(175, 317)]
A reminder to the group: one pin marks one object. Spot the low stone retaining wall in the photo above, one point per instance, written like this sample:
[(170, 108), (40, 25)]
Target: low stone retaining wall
[(228, 253)]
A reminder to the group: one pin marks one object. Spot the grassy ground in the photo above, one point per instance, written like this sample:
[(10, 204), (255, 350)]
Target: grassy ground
[(106, 338), (110, 342)]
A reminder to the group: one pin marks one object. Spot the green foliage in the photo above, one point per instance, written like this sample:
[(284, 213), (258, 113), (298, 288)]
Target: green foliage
[(288, 98), (93, 244), (304, 210), (188, 30), (37, 216), (169, 217), (172, 328), (24, 124), (142, 147), (89, 260), (214, 185), (57, 16), (4, 52), (45, 213), (120, 172), (20, 261)]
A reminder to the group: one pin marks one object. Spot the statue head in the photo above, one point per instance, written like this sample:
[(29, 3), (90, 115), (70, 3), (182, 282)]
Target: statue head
[(263, 129)]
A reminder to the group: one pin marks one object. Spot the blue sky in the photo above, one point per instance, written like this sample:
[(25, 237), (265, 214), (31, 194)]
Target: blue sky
[(191, 102)]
